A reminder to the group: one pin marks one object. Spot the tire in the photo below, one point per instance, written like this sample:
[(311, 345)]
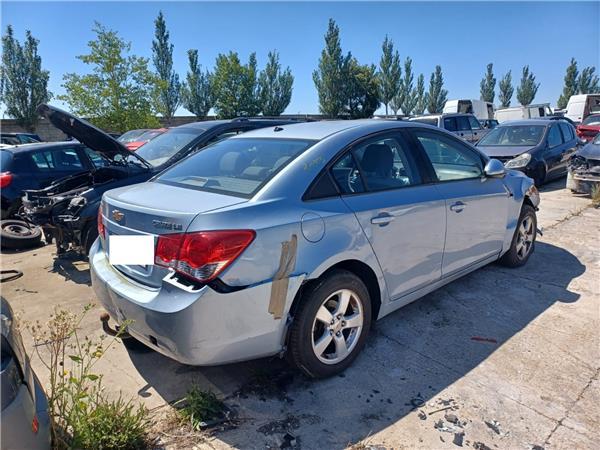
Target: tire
[(308, 331), (16, 234), (90, 237), (523, 243)]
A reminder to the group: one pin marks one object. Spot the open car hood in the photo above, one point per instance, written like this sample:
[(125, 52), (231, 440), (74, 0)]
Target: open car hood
[(86, 133)]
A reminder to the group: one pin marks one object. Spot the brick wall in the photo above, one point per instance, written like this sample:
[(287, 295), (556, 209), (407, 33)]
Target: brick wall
[(49, 133)]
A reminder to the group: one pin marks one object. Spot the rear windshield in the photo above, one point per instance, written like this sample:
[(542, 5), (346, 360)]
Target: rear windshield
[(130, 136), (592, 120), (517, 135), (234, 166), (428, 121), (162, 148)]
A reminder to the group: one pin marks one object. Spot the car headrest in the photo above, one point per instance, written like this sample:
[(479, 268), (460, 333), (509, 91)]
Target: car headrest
[(379, 159)]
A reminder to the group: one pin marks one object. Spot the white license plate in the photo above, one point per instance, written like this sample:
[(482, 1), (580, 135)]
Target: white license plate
[(131, 250)]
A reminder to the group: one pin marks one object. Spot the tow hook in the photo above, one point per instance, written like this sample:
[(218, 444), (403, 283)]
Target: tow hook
[(104, 318)]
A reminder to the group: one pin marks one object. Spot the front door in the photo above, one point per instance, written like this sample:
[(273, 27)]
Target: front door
[(476, 207), (403, 219), (464, 128)]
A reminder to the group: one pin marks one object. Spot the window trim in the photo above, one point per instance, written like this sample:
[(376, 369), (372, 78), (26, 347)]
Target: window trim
[(483, 158)]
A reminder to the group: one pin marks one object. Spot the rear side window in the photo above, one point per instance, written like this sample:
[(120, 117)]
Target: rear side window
[(347, 175), (5, 161), (567, 131), (451, 160), (57, 159), (234, 166), (554, 136), (450, 124)]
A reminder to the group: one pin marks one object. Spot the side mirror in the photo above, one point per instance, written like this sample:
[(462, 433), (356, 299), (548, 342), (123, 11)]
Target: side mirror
[(494, 168)]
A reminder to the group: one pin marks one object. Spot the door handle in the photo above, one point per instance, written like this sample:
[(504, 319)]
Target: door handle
[(457, 207), (382, 219)]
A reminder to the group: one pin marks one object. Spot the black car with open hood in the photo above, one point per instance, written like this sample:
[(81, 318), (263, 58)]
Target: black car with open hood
[(67, 209)]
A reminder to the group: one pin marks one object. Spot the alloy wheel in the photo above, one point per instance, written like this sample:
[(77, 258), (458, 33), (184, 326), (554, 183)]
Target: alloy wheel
[(525, 237), (337, 326)]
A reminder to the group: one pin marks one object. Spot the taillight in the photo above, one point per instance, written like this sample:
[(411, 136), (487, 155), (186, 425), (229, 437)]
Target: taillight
[(101, 229), (5, 179), (579, 132), (202, 255)]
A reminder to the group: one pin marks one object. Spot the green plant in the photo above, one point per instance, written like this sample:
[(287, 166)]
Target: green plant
[(201, 406), (596, 196), (82, 415)]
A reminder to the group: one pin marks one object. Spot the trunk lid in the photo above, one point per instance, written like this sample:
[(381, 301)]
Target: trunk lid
[(153, 209), (86, 133)]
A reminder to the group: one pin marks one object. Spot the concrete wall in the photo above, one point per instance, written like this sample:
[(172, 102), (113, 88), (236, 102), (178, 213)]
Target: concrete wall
[(49, 133)]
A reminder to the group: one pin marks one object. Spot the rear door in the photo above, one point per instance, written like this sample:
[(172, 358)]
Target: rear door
[(464, 128), (570, 144), (476, 207), (553, 152), (402, 217)]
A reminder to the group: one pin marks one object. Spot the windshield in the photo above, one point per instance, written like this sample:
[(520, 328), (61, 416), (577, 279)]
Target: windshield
[(515, 135), (596, 139), (165, 146), (592, 120), (130, 136), (149, 135), (234, 166)]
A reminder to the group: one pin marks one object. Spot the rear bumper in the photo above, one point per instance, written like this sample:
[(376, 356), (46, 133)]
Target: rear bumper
[(196, 328)]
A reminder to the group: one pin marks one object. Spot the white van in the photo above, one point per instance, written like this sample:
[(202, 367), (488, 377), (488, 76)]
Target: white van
[(581, 106), (480, 109), (523, 112)]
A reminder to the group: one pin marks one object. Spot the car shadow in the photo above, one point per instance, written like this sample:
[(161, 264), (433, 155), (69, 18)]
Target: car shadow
[(411, 356), (554, 185), (73, 268)]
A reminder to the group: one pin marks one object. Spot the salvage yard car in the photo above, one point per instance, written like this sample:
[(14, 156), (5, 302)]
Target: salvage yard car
[(293, 239), (466, 126), (67, 210), (538, 147), (589, 128), (584, 168)]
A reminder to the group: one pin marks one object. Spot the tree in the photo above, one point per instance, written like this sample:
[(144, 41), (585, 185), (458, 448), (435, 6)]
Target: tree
[(362, 90), (506, 90), (488, 85), (398, 99), (196, 92), (235, 86), (168, 88), (275, 87), (389, 72), (116, 94), (528, 88), (24, 83), (330, 78), (571, 85), (437, 96), (410, 96), (587, 82), (421, 95)]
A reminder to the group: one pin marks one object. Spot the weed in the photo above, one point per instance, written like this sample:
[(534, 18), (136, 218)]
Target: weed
[(200, 407), (596, 196)]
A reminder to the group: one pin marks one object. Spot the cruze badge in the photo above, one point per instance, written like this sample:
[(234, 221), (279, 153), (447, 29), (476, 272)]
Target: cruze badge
[(167, 225), (117, 215)]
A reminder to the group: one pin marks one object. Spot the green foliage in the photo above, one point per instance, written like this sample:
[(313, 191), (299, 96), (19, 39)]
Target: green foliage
[(331, 75), (167, 89), (506, 90), (196, 93), (437, 95), (571, 85), (528, 88), (82, 416), (587, 82), (275, 87), (421, 96), (362, 90), (410, 94), (24, 84), (488, 85), (389, 73), (200, 407), (235, 86), (116, 94)]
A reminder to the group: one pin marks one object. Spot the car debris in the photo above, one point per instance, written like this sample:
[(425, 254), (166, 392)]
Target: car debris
[(584, 169), (494, 426), (458, 438)]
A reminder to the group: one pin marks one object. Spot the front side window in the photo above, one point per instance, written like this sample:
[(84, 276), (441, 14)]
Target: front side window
[(450, 159), (463, 123), (97, 159), (475, 125), (567, 131), (60, 159), (514, 135), (162, 148), (233, 166), (450, 124), (554, 136)]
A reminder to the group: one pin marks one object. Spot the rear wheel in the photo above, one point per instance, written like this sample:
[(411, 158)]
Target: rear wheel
[(17, 234), (523, 241), (331, 325)]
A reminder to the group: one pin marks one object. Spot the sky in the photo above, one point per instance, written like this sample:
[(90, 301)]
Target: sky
[(462, 37)]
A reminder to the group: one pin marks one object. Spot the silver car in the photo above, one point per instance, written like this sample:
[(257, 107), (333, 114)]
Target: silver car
[(465, 126), (293, 239)]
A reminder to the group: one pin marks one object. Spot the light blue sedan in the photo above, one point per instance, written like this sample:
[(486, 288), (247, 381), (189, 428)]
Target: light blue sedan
[(293, 239)]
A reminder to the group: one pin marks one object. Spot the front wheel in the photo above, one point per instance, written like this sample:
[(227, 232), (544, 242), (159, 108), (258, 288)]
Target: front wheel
[(331, 325), (523, 241)]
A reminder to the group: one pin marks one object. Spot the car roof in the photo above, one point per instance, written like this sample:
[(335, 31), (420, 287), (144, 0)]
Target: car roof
[(208, 124), (540, 121), (22, 148)]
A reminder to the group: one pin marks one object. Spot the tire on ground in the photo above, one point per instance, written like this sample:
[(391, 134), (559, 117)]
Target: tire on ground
[(17, 234)]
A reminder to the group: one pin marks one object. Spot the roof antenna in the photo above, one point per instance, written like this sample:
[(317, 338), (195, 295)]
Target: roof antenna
[(276, 129)]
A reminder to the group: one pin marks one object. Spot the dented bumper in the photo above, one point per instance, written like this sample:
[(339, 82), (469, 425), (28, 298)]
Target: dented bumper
[(202, 327)]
